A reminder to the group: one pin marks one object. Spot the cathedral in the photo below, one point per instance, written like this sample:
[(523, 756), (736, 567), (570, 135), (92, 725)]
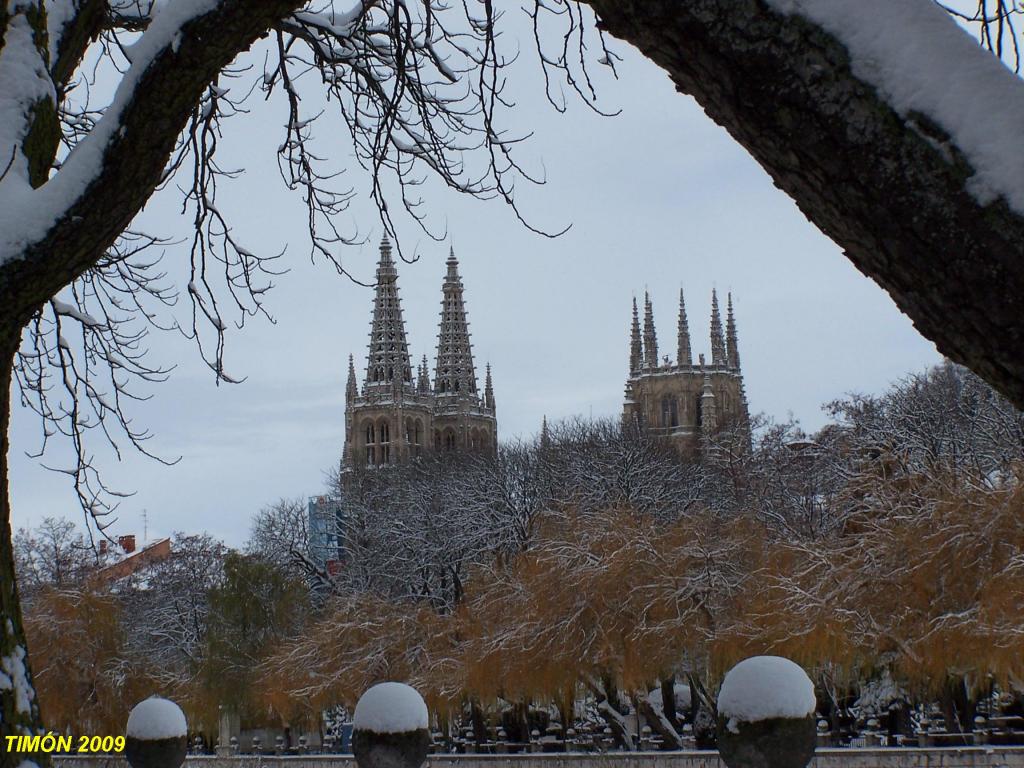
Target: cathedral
[(398, 413), (680, 401)]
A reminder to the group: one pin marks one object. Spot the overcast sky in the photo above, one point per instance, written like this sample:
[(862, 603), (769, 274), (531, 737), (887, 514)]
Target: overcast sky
[(658, 197)]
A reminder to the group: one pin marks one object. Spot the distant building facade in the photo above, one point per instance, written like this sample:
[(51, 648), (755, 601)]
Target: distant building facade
[(325, 521), (399, 413), (133, 559), (676, 399)]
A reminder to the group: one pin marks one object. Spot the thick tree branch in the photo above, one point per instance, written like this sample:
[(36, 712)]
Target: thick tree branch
[(135, 156), (892, 192)]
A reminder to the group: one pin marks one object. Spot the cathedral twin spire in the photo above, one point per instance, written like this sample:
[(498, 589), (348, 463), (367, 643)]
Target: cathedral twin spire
[(643, 350), (454, 373), (388, 360)]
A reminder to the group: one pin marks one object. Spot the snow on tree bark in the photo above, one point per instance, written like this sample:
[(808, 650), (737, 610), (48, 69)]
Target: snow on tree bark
[(894, 193), (651, 708)]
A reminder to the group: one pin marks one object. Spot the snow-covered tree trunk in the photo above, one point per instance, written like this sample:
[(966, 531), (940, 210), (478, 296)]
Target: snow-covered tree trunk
[(657, 719), (19, 710), (881, 139)]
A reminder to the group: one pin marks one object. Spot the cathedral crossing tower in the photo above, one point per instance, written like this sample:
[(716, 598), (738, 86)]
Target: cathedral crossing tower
[(396, 416), (677, 400)]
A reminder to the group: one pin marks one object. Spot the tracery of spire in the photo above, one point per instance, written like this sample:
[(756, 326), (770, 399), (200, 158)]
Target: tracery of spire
[(650, 336), (488, 389), (718, 356), (454, 374), (351, 388), (730, 337), (388, 358), (684, 356), (636, 351)]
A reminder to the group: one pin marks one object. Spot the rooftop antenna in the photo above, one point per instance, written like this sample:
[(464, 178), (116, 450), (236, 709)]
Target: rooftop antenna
[(145, 526)]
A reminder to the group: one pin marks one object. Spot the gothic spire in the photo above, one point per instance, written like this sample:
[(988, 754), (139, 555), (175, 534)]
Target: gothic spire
[(545, 439), (351, 389), (717, 341), (388, 359), (650, 337), (636, 351), (488, 390), (454, 374), (684, 357), (733, 350)]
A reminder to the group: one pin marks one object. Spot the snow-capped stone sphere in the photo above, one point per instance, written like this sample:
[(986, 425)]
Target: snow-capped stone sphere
[(390, 708), (156, 718), (390, 727), (155, 736), (766, 715)]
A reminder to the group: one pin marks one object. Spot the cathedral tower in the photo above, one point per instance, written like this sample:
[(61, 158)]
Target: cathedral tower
[(680, 401), (396, 416)]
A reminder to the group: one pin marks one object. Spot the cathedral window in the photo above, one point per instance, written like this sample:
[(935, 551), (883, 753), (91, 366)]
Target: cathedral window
[(371, 448), (449, 440), (669, 412), (385, 443)]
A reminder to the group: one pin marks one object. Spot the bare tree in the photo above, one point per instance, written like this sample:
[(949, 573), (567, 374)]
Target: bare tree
[(167, 602), (53, 554), (602, 464), (944, 420), (281, 535)]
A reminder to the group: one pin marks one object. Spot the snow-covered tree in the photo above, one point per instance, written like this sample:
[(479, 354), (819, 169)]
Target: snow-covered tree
[(53, 554), (945, 420), (167, 602), (280, 535)]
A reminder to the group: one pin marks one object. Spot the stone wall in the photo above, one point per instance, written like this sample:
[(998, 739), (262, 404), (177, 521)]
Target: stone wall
[(952, 757)]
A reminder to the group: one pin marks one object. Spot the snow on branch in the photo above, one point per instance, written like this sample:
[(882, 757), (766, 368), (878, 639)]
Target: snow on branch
[(27, 215), (924, 65)]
